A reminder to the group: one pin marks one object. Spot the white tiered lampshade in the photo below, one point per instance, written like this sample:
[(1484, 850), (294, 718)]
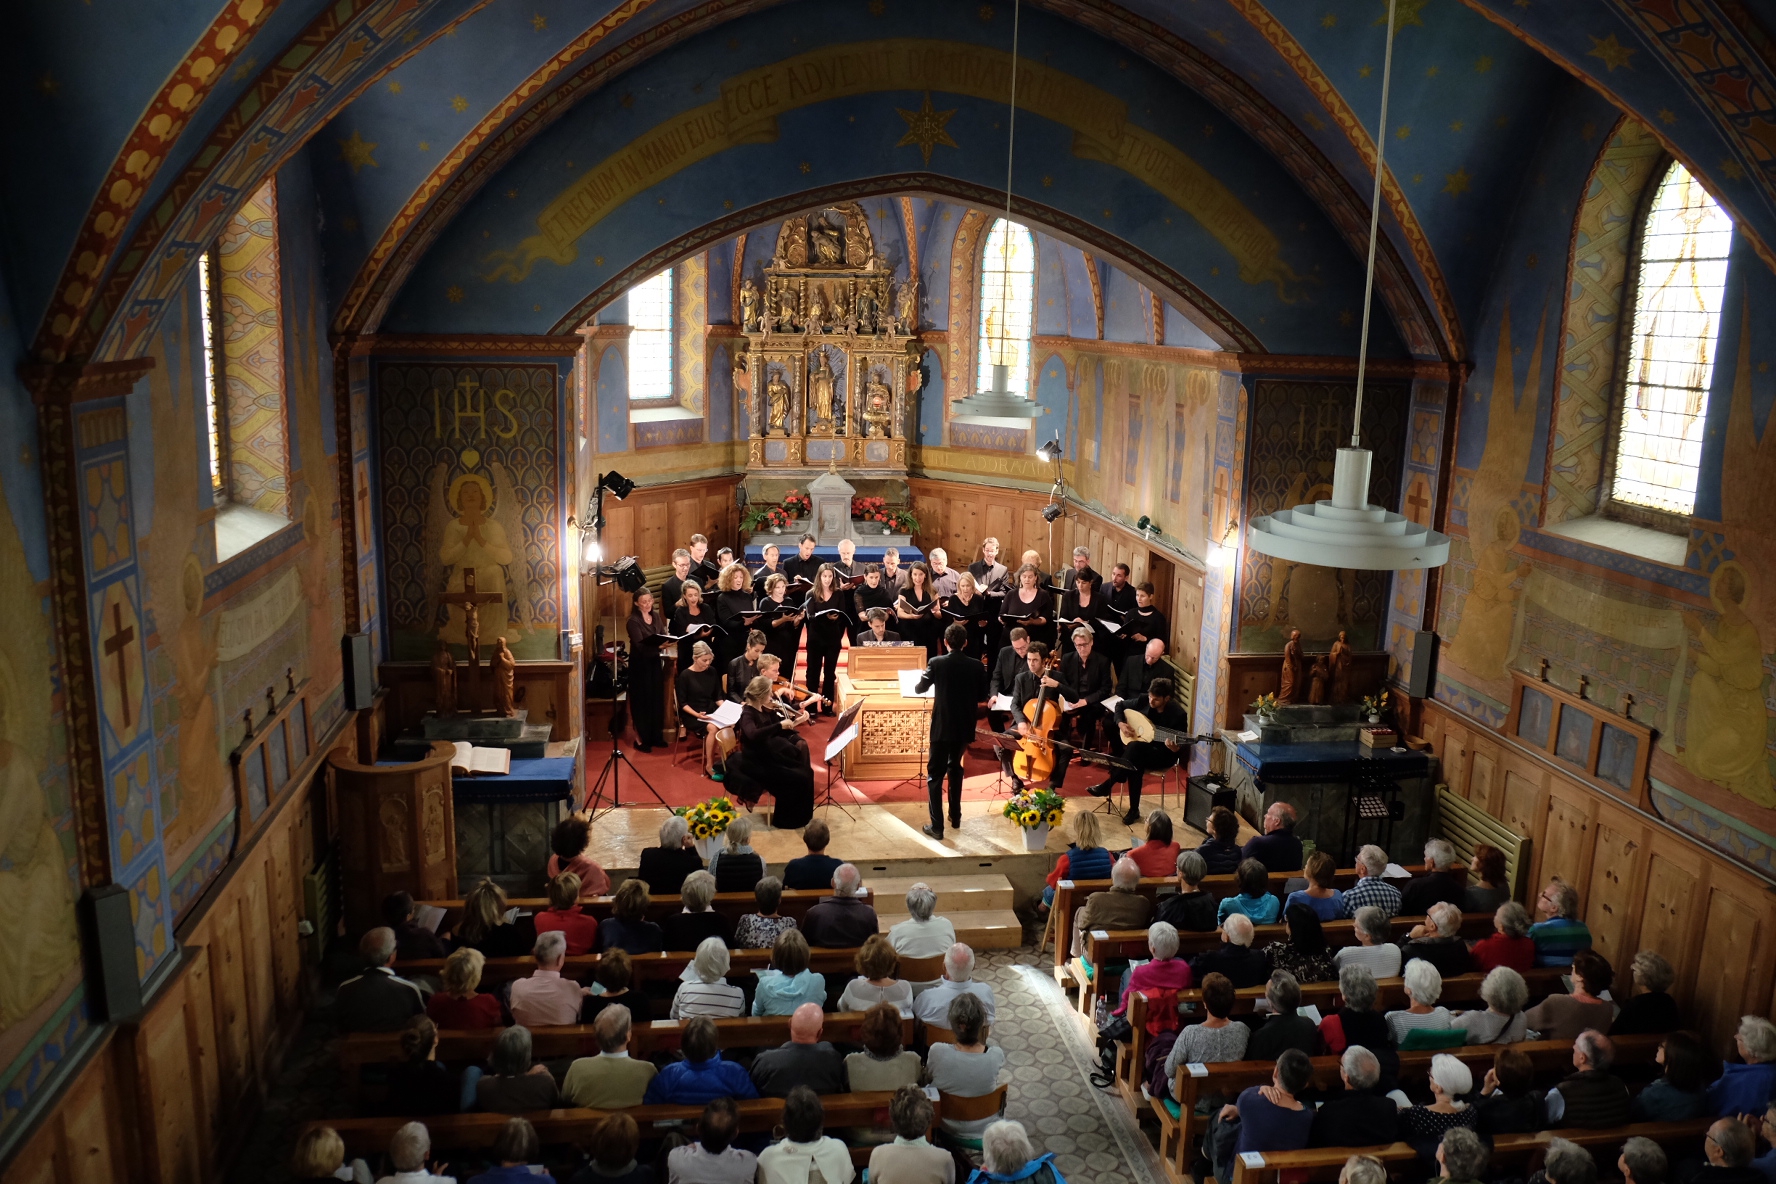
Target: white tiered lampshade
[(1347, 531)]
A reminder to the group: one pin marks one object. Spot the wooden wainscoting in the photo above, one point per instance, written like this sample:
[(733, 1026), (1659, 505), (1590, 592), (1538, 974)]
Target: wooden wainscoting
[(1642, 884), (957, 517), (652, 521)]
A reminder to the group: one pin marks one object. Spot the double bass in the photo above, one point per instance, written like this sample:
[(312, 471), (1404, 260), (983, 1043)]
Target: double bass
[(1034, 759)]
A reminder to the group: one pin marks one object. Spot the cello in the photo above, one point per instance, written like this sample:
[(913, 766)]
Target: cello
[(1034, 759)]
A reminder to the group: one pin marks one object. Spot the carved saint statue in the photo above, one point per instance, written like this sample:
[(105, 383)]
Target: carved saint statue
[(1289, 682), (906, 305), (786, 308), (505, 671), (1340, 661), (1319, 678), (841, 315), (444, 678), (820, 393), (877, 399), (749, 306), (828, 247), (776, 405), (866, 309), (816, 312)]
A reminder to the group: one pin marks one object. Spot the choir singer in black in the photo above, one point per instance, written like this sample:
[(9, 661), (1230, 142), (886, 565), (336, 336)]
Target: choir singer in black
[(961, 683)]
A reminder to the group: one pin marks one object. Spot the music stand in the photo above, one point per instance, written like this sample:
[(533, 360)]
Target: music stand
[(844, 734)]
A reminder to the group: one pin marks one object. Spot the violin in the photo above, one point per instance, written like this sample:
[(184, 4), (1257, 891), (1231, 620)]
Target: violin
[(1034, 759), (797, 695)]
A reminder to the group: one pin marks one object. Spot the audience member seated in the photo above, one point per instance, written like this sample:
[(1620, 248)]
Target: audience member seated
[(664, 868), (1221, 850), (1356, 1022), (1508, 1103), (1189, 909), (1165, 971), (1462, 1157), (564, 916), (1008, 1158), (933, 1006), (419, 1083), (883, 1064), (1743, 1089), (1442, 880), (1303, 951), (1680, 1090), (1371, 890), (1270, 1117), (805, 1059), (1277, 848), (787, 983), (760, 930), (1086, 857), (1255, 899), (1122, 907), (803, 1150), (627, 928), (1425, 1126), (612, 1080), (1490, 889), (615, 978), (1509, 943), (1766, 1126), (515, 1153), (1563, 1017), (570, 843), (1218, 1038), (737, 867), (1375, 948), (813, 871), (701, 1075), (410, 1153), (845, 919), (1423, 986), (513, 1084), (412, 940), (1729, 1148), (1362, 1169), (1591, 1096), (968, 1068), (707, 991), (1650, 1010), (320, 1159), (1283, 1028), (697, 920), (459, 1007), (1438, 941), (713, 1158), (1559, 934), (1326, 901), (1565, 1162), (1360, 1116), (489, 926), (1234, 957), (1158, 856), (921, 935), (1502, 1022), (378, 1000), (910, 1158), (1643, 1162), (878, 979), (611, 1154), (546, 999)]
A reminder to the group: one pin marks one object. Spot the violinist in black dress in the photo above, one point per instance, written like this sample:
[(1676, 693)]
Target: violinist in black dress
[(772, 758)]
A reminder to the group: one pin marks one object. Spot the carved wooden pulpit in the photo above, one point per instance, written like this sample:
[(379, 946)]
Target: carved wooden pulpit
[(397, 831)]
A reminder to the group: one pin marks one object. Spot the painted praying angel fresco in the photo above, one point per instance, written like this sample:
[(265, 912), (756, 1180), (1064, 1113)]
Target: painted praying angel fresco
[(474, 523)]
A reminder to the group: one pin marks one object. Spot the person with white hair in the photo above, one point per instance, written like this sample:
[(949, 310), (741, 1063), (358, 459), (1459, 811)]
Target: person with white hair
[(1356, 1021), (1008, 1158), (1591, 1096), (1744, 1088), (1502, 1022), (1362, 1169), (1425, 1126), (699, 688), (1509, 943), (1277, 848), (1123, 907), (546, 998), (844, 920), (1234, 957), (1438, 941), (1189, 909), (1165, 971), (966, 1066), (1285, 1027), (1565, 1162), (515, 1082), (1462, 1157), (1375, 948), (410, 1152), (921, 935), (665, 867), (1650, 1010), (696, 918), (1361, 1116), (1370, 889), (1423, 986), (933, 1006), (1643, 1161), (708, 992), (1559, 934), (737, 867), (378, 1000), (1443, 880), (1081, 569)]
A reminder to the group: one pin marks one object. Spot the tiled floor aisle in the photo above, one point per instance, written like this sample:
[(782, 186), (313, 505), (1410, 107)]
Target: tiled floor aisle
[(1095, 1139)]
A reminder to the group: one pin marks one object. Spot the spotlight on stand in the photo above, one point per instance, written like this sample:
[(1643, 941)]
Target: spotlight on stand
[(626, 574), (1049, 450), (619, 486), (1148, 528), (1051, 511), (1221, 550)]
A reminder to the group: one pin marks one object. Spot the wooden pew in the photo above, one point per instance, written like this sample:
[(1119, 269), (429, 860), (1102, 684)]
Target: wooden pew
[(663, 967), (795, 903), (1269, 1167)]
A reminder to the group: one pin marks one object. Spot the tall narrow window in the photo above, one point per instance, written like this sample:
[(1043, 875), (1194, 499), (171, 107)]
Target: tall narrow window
[(650, 337), (1677, 304), (212, 416), (1008, 305)]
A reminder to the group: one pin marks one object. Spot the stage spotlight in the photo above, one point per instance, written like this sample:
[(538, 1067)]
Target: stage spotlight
[(1051, 511), (619, 486), (627, 575), (1049, 450)]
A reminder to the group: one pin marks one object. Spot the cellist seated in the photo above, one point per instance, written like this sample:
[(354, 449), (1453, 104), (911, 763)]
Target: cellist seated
[(1024, 691)]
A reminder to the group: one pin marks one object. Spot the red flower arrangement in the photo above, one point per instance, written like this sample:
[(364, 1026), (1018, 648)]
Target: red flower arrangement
[(798, 503), (867, 508)]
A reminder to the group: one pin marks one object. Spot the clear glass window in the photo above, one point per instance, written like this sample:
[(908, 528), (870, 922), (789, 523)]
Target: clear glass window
[(650, 337), (212, 418), (1008, 306)]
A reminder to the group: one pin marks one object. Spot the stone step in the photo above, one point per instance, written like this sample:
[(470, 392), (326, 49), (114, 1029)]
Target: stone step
[(984, 892), (985, 929)]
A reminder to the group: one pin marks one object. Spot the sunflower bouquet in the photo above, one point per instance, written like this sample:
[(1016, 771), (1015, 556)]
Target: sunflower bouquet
[(1032, 808), (708, 819)]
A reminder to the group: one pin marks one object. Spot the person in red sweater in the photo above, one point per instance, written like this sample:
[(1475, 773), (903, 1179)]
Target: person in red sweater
[(458, 1006), (1158, 856), (1510, 944), (564, 914), (1165, 972)]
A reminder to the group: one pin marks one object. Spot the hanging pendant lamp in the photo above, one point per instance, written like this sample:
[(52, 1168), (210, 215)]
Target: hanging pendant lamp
[(1348, 531)]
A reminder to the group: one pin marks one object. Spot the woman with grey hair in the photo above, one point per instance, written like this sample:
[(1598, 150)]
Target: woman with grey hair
[(1165, 971), (1651, 1010), (1502, 1022), (697, 920), (1356, 1021), (707, 992), (1007, 1157), (1189, 909), (737, 867), (1362, 1169), (1743, 1089), (665, 867), (922, 935), (968, 1068), (1565, 1162), (1462, 1156), (1423, 986), (513, 1084), (1375, 946), (1509, 944)]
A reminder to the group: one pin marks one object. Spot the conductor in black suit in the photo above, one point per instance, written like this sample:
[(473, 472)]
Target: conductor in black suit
[(961, 684)]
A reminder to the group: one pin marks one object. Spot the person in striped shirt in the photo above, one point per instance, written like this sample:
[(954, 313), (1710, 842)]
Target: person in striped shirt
[(1559, 934), (1423, 986), (708, 992), (1371, 889)]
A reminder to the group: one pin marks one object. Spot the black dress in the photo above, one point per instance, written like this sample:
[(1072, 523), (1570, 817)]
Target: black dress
[(783, 636), (729, 607), (683, 622), (866, 598), (1036, 614), (771, 759), (1149, 623), (925, 628), (699, 690), (973, 616), (825, 633), (1075, 612), (647, 679)]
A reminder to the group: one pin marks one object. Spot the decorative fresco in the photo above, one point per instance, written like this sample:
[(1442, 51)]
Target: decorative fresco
[(470, 474)]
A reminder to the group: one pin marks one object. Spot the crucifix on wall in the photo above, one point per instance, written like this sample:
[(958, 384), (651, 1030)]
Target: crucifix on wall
[(117, 646), (470, 602)]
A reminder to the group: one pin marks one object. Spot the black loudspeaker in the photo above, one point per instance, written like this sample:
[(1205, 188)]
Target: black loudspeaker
[(1203, 794), (1424, 655), (360, 683), (113, 991)]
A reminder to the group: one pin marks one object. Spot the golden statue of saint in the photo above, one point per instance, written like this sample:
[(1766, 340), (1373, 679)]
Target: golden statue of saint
[(475, 540), (777, 405), (1726, 725), (820, 393)]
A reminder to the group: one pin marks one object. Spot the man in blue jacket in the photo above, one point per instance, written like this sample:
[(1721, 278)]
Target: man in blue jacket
[(702, 1076)]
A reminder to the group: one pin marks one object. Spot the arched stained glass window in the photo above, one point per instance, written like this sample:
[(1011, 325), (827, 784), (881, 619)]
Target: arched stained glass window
[(1677, 305), (650, 337), (1007, 306)]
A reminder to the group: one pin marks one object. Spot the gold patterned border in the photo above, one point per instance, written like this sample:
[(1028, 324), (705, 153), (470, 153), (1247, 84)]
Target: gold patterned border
[(516, 345)]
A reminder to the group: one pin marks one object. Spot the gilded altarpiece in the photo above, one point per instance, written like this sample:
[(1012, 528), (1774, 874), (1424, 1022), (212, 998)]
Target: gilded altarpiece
[(831, 364)]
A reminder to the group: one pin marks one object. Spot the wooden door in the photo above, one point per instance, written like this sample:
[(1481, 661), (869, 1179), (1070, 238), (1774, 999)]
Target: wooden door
[(1610, 904), (1163, 576), (1669, 912)]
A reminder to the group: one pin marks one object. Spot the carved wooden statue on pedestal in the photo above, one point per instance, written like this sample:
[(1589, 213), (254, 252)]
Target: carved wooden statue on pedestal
[(505, 672), (1289, 681), (1340, 661), (444, 678)]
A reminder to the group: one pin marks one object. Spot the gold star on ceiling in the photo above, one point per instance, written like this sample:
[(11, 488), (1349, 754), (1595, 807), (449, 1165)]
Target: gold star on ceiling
[(1433, 71), (727, 203), (1405, 13), (1365, 71), (394, 88), (986, 12), (1732, 169), (1047, 181), (1329, 21), (47, 83), (1403, 132), (454, 294), (1611, 53), (805, 167), (425, 145), (539, 22), (1457, 126), (1667, 115), (925, 128), (598, 261), (356, 152), (458, 103), (511, 193), (627, 101), (1456, 182), (1483, 64)]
